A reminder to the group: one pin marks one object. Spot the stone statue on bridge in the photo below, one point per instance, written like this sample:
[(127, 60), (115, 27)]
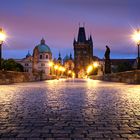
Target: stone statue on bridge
[(107, 61), (107, 53)]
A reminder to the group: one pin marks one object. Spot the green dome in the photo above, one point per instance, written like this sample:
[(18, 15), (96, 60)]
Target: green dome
[(66, 58), (42, 47)]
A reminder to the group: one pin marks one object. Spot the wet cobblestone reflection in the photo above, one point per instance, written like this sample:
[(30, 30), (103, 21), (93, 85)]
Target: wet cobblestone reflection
[(70, 109)]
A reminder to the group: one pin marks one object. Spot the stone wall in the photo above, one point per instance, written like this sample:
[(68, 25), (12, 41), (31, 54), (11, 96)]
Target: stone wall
[(8, 77), (132, 77)]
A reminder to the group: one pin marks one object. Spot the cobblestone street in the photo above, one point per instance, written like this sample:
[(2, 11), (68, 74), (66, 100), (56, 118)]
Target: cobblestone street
[(70, 110)]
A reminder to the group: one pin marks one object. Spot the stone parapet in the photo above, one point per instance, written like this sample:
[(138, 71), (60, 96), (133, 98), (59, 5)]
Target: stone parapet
[(9, 77), (131, 77)]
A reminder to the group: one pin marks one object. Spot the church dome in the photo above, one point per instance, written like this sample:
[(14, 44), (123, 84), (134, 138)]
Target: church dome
[(43, 48), (66, 58)]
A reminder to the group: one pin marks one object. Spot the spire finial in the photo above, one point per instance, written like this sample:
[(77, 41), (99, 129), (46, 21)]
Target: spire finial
[(28, 54), (59, 54), (70, 56), (42, 41)]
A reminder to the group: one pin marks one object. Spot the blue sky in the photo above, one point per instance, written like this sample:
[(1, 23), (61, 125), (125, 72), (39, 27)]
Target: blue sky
[(110, 23)]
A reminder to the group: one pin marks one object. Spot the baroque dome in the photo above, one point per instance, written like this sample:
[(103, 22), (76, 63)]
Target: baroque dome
[(43, 48)]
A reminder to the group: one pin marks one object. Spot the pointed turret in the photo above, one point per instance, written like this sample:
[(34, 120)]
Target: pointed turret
[(91, 39), (70, 56), (81, 35), (59, 58), (28, 54), (74, 41)]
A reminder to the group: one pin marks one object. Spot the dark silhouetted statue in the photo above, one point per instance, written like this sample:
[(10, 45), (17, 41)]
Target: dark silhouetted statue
[(107, 53), (107, 61)]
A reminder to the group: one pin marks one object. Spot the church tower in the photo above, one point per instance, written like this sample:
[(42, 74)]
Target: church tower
[(83, 52)]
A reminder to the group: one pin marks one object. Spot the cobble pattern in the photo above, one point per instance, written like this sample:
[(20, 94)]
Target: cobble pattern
[(70, 110)]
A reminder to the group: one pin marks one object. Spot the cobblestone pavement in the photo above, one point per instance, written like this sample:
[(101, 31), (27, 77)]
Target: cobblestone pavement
[(70, 110)]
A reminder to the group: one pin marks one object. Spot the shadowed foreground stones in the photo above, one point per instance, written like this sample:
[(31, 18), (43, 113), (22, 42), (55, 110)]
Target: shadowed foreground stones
[(70, 110)]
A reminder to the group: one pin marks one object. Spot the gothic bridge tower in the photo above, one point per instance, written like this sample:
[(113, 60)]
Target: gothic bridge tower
[(83, 52)]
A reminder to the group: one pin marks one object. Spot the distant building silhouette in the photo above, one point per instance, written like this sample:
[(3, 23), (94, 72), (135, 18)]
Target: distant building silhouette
[(68, 62), (59, 60), (83, 52)]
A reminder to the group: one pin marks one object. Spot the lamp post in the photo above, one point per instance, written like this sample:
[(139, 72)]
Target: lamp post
[(89, 69), (51, 65), (136, 38), (56, 68), (138, 60), (2, 38)]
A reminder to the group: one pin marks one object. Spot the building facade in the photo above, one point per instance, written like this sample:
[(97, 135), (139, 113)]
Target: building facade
[(42, 55), (83, 52), (26, 62), (39, 61), (68, 63)]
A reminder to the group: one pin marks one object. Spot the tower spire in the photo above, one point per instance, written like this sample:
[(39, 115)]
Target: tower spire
[(59, 56), (70, 56), (81, 35), (74, 41)]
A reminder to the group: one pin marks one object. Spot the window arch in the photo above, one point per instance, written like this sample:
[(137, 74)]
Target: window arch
[(47, 56), (41, 56)]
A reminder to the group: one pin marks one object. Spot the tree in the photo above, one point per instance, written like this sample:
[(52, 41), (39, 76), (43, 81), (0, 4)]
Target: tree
[(11, 65)]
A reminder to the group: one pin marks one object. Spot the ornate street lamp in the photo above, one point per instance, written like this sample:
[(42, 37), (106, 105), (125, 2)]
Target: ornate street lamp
[(89, 69), (56, 68), (2, 39), (95, 64), (136, 38)]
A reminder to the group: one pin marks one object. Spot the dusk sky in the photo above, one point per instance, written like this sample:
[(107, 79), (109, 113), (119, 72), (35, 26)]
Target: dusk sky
[(110, 22)]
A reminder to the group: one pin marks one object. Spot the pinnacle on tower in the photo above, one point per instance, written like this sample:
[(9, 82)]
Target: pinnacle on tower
[(70, 56), (59, 58)]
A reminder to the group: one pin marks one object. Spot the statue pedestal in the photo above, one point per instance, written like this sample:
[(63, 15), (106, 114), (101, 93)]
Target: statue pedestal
[(107, 66)]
